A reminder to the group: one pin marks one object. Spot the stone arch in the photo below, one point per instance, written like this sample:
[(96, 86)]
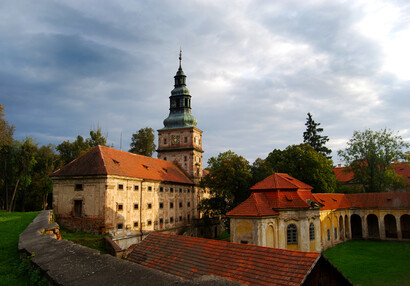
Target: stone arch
[(270, 234), (356, 226), (346, 226), (341, 228), (390, 226), (405, 226), (373, 226)]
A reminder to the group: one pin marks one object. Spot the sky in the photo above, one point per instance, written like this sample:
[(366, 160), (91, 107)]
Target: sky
[(254, 69)]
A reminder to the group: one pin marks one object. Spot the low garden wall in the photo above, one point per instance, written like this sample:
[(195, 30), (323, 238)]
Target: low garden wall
[(65, 263)]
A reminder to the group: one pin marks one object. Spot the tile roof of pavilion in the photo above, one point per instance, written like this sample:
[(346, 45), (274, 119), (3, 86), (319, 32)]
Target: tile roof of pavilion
[(268, 201), (278, 191), (103, 160), (192, 257)]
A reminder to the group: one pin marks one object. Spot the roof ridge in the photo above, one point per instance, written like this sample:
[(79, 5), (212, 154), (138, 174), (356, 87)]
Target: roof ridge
[(102, 158)]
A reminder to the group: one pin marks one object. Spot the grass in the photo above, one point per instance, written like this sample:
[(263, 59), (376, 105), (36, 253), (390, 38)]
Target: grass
[(95, 241), (12, 271), (375, 263)]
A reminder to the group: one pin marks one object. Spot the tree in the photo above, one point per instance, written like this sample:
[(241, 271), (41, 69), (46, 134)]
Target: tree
[(24, 166), (312, 137), (6, 130), (229, 180), (42, 185), (369, 156), (305, 164), (96, 138), (260, 170), (143, 142), (70, 151)]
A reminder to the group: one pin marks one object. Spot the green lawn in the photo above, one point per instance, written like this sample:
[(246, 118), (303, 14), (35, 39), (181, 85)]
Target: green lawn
[(95, 241), (372, 263), (12, 271)]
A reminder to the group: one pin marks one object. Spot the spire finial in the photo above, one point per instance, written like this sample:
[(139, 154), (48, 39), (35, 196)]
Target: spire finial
[(180, 56)]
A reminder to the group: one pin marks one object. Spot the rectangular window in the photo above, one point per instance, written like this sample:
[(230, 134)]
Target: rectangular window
[(161, 189), (120, 186), (149, 188), (188, 190), (171, 205), (149, 222), (180, 204), (135, 206), (171, 190), (78, 187), (150, 206), (171, 219), (165, 140), (185, 140), (120, 226), (161, 220), (180, 190), (189, 204), (180, 218), (189, 218), (244, 241), (185, 158), (328, 234), (165, 158), (161, 205), (135, 223), (119, 207), (335, 232), (78, 208), (136, 188)]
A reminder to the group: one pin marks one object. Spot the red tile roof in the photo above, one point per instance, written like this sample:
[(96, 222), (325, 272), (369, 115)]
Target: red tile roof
[(280, 181), (278, 191), (333, 201), (380, 200), (107, 161), (343, 174), (192, 257)]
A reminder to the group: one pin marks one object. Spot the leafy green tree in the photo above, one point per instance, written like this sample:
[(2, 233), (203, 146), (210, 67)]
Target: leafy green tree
[(24, 166), (143, 142), (312, 137), (42, 185), (229, 180), (369, 156), (305, 164), (96, 138), (6, 130), (69, 151), (260, 170)]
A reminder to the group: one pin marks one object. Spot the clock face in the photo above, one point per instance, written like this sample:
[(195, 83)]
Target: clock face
[(175, 139)]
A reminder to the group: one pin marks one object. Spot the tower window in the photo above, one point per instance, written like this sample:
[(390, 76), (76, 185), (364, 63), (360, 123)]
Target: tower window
[(311, 231), (161, 205), (119, 226), (135, 206), (120, 207), (135, 223), (180, 204), (121, 187), (149, 188), (186, 102), (292, 234), (171, 205), (150, 206), (136, 188)]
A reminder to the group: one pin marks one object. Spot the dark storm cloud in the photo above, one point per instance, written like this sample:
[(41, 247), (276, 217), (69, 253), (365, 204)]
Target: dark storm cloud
[(254, 70)]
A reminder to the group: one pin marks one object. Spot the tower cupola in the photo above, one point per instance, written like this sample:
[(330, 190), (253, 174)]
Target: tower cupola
[(180, 103)]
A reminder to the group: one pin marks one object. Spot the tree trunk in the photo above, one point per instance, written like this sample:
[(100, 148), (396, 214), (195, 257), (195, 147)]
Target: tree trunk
[(14, 194)]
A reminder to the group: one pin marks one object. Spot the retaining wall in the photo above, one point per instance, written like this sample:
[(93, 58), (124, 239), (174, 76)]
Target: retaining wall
[(65, 263)]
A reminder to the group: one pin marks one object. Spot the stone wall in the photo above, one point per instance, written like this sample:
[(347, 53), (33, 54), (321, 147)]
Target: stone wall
[(65, 263)]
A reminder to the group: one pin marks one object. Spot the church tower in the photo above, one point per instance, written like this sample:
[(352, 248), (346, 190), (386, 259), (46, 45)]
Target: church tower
[(180, 141)]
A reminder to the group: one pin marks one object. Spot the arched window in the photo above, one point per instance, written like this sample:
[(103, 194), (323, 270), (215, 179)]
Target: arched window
[(311, 231), (292, 234)]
